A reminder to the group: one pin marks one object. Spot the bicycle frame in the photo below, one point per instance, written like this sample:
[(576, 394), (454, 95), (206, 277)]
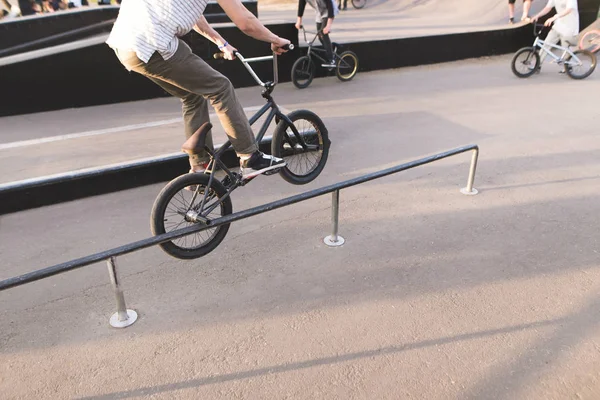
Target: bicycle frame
[(314, 51), (547, 48), (274, 112)]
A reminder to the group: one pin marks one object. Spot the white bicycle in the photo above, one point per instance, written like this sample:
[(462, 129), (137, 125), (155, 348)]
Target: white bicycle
[(579, 64)]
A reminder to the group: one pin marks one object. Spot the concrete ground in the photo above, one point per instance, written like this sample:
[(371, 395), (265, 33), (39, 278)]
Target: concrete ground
[(434, 295)]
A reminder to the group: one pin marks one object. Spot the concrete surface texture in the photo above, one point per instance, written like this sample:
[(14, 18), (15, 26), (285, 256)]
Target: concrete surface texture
[(435, 295)]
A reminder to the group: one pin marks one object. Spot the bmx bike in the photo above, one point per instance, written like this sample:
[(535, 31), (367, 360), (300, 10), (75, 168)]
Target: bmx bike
[(579, 64), (304, 68), (300, 138)]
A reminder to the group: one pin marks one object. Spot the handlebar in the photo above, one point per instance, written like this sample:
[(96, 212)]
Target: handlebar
[(304, 31), (247, 61), (541, 27)]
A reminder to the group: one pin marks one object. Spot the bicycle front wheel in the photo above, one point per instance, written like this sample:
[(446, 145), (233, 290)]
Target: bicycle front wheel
[(305, 158), (584, 67), (347, 66), (179, 205), (590, 41), (358, 4), (303, 72), (525, 62)]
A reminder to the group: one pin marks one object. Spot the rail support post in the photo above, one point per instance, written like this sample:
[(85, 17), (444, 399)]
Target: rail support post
[(470, 190), (334, 239), (123, 317)]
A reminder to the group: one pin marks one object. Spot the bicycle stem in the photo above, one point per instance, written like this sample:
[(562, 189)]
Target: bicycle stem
[(247, 61)]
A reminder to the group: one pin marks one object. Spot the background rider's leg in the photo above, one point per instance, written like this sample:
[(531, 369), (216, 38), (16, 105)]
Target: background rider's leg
[(552, 38), (526, 8), (324, 39), (511, 10)]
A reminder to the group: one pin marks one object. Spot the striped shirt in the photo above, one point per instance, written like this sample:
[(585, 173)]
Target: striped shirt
[(146, 26)]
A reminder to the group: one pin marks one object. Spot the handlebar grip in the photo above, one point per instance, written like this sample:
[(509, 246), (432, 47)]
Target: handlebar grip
[(288, 47)]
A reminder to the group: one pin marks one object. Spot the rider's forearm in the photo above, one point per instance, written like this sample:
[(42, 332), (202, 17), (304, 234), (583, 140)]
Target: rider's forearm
[(246, 21), (258, 31), (204, 28), (301, 7), (330, 9)]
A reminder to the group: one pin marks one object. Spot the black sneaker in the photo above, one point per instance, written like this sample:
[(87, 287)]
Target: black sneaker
[(259, 163)]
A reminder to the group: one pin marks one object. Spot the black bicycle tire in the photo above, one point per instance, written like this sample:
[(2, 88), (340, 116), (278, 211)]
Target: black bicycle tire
[(339, 61), (361, 4), (311, 76), (163, 199), (589, 71), (514, 59), (277, 146)]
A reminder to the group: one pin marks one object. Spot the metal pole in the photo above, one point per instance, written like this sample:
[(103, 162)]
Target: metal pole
[(334, 239), (469, 190), (123, 317)]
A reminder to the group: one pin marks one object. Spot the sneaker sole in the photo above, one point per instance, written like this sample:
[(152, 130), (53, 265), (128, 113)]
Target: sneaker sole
[(262, 171)]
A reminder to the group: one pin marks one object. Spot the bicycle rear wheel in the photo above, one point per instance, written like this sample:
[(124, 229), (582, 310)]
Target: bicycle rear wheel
[(178, 206), (590, 41), (358, 4), (347, 66), (583, 68), (303, 72), (525, 62), (304, 164)]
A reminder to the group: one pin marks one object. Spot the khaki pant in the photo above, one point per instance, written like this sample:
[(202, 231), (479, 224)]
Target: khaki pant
[(554, 37), (187, 76)]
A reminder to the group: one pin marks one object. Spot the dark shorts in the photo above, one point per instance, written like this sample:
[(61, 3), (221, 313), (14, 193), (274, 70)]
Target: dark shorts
[(513, 1)]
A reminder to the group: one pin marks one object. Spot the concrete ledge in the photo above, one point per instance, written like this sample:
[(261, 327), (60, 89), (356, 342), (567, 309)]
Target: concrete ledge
[(43, 191)]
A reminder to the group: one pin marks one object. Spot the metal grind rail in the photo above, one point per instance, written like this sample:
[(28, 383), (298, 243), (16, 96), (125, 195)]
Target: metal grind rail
[(124, 317)]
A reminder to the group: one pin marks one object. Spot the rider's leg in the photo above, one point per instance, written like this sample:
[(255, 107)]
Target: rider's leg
[(189, 72), (552, 38), (511, 11), (195, 114), (325, 41), (526, 8)]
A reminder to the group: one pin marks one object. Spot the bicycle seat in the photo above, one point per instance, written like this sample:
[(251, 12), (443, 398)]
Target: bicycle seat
[(197, 141)]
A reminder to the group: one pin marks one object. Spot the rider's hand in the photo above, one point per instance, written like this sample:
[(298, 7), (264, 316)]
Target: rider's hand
[(549, 21), (299, 23), (277, 45), (229, 52), (327, 28), (533, 20)]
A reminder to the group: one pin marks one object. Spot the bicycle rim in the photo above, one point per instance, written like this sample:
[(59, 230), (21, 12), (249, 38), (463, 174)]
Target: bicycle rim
[(177, 200), (359, 3), (303, 72), (525, 63), (347, 66), (302, 165), (582, 68)]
